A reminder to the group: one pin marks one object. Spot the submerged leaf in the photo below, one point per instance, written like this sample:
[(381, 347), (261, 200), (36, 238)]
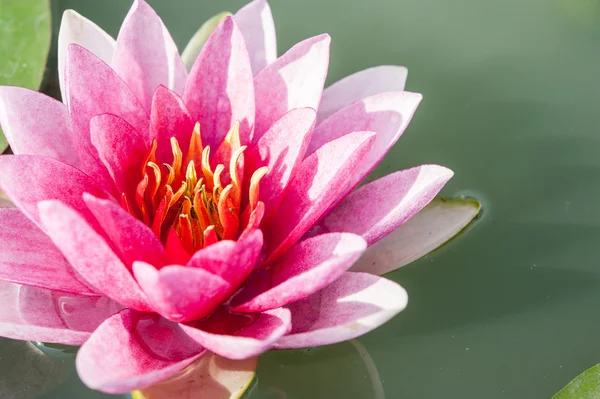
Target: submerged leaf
[(433, 226), (25, 26), (191, 51), (585, 386), (212, 376)]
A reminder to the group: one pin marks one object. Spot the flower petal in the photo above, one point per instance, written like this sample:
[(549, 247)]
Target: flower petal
[(220, 89), (314, 188), (231, 260), (388, 114), (281, 149), (368, 82), (46, 179), (434, 225), (90, 255), (132, 350), (169, 118), (77, 29), (212, 376), (93, 88), (47, 134), (257, 26), (181, 293), (294, 80), (194, 46), (121, 149), (146, 56), (237, 336), (132, 238), (29, 256), (304, 269), (378, 208), (353, 305), (36, 314)]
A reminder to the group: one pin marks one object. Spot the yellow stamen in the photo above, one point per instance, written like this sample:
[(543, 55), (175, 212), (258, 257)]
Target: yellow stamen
[(188, 204)]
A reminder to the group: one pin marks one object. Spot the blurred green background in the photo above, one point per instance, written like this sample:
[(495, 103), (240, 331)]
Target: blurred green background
[(511, 103)]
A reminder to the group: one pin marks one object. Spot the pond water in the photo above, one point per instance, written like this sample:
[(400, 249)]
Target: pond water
[(509, 309)]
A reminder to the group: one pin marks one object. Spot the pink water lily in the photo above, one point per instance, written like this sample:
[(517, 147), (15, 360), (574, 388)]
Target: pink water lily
[(161, 214)]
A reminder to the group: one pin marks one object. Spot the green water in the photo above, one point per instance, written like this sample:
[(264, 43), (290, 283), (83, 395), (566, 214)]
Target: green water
[(511, 103)]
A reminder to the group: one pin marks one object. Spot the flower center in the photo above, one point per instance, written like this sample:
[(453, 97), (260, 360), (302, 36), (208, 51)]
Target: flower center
[(191, 202)]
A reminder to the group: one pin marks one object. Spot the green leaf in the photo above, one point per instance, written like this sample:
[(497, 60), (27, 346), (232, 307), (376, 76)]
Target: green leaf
[(585, 386), (195, 44), (426, 231), (24, 44)]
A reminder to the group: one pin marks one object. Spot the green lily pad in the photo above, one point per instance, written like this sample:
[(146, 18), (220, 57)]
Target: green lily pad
[(585, 386), (191, 51), (24, 44)]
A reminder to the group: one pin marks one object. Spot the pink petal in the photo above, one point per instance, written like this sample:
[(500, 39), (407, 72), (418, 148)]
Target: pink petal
[(47, 134), (353, 305), (146, 56), (169, 118), (121, 149), (388, 114), (132, 350), (304, 269), (132, 238), (35, 314), (429, 229), (29, 257), (46, 179), (90, 255), (181, 293), (256, 23), (93, 88), (231, 260), (378, 208), (294, 80), (77, 29), (315, 188), (368, 82), (282, 150), (220, 89), (237, 336)]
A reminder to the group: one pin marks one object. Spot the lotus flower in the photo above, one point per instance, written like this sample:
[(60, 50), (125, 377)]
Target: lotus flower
[(161, 214)]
